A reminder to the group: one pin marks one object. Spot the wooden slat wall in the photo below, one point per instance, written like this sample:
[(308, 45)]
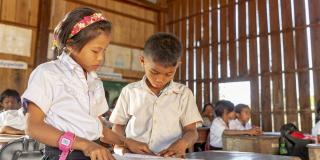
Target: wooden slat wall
[(289, 60), (303, 63), (232, 40), (184, 41), (206, 51), (279, 65), (277, 91), (254, 82), (214, 51), (198, 56), (11, 12), (315, 36), (132, 25)]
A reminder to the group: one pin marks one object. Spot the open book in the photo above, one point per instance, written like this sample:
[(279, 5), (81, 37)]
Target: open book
[(130, 156)]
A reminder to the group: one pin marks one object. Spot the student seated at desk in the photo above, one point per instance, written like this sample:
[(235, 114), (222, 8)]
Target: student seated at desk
[(12, 119), (225, 112), (243, 115), (156, 112), (207, 115)]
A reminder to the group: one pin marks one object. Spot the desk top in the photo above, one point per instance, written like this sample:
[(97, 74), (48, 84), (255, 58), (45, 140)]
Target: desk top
[(4, 138), (223, 155)]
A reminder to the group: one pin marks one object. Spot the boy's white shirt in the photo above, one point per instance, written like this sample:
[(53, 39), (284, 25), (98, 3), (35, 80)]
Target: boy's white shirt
[(13, 118), (237, 125), (156, 121), (216, 132), (69, 100), (316, 129)]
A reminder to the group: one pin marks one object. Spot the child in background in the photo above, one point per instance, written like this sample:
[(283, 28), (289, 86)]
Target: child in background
[(207, 115), (10, 100), (243, 115), (12, 119), (225, 112)]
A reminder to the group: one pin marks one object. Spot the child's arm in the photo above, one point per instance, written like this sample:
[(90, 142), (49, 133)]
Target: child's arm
[(253, 131), (178, 148), (132, 145), (11, 130), (44, 133)]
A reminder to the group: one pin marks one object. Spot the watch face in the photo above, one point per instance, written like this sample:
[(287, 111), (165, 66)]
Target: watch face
[(65, 142)]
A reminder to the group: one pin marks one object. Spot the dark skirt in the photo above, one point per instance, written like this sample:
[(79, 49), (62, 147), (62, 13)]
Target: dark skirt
[(52, 153)]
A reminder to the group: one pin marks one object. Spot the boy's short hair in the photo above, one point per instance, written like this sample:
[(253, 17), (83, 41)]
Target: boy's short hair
[(223, 105), (240, 107), (10, 93), (163, 48)]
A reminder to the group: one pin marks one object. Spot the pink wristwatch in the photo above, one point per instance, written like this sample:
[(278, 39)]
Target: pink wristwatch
[(65, 144)]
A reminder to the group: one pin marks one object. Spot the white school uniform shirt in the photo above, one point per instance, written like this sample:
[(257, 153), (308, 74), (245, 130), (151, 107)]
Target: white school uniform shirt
[(13, 118), (156, 121), (216, 132), (316, 129), (69, 100), (237, 125)]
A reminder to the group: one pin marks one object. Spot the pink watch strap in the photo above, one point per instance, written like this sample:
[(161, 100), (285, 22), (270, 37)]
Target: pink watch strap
[(65, 144)]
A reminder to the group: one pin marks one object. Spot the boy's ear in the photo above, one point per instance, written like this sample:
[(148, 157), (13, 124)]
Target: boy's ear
[(141, 58)]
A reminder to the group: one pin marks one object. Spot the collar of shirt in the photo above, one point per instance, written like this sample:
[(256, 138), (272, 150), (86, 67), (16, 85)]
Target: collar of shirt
[(75, 68), (169, 88), (222, 122)]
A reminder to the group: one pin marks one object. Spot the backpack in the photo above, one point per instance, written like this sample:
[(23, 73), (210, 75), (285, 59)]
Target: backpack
[(22, 149), (295, 146)]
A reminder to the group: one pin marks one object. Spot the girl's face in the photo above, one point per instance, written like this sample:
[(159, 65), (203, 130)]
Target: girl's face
[(10, 103), (244, 115), (208, 110), (91, 56), (230, 115)]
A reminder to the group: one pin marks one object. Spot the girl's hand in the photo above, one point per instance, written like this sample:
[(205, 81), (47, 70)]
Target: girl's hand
[(97, 152), (138, 147)]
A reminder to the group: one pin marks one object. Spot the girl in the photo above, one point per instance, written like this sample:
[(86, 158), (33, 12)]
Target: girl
[(225, 112), (65, 98), (207, 115), (243, 114)]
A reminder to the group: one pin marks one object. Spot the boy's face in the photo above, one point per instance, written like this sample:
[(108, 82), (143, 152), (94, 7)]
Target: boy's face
[(157, 74), (10, 103), (209, 110), (91, 56), (231, 115), (244, 115)]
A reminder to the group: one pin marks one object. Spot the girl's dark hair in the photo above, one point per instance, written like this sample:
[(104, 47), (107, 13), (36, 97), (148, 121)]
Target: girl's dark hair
[(77, 42), (223, 105), (205, 106), (240, 107), (10, 93)]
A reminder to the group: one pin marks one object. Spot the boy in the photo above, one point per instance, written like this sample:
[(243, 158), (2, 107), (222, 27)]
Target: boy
[(157, 113), (243, 114), (12, 119)]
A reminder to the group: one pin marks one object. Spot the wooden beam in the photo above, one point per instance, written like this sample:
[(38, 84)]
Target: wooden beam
[(277, 94), (214, 58), (289, 64), (254, 82), (43, 31), (243, 70), (206, 52), (223, 40), (232, 40), (264, 65), (191, 6), (302, 59), (198, 57)]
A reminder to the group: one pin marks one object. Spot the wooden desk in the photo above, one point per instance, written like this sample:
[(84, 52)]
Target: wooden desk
[(268, 143), (5, 138), (203, 133), (224, 155), (314, 151)]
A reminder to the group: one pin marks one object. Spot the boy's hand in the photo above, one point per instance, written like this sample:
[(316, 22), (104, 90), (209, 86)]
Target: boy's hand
[(97, 152), (177, 149), (138, 147)]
